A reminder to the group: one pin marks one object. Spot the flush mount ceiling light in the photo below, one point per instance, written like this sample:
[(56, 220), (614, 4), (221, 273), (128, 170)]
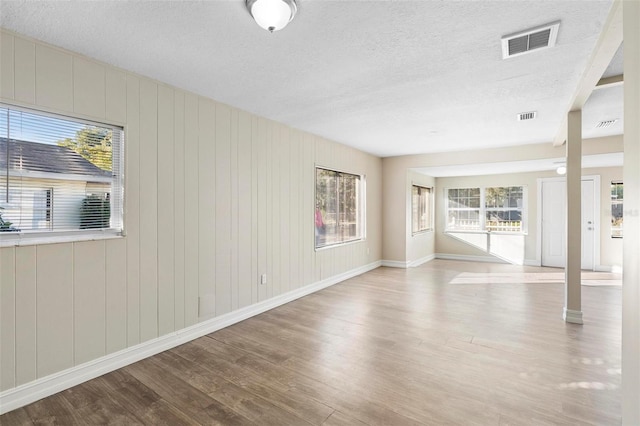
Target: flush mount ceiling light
[(272, 15), (561, 167)]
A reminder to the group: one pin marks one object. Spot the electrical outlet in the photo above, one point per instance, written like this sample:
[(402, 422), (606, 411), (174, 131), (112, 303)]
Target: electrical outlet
[(263, 279)]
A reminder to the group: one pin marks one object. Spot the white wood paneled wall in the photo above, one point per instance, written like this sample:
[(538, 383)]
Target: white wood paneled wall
[(215, 197)]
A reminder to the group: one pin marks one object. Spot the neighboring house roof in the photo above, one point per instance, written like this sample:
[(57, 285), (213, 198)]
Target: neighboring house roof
[(46, 158)]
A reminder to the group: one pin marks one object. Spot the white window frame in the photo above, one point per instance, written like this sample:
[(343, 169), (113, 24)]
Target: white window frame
[(24, 238), (429, 208), (482, 216), (361, 214)]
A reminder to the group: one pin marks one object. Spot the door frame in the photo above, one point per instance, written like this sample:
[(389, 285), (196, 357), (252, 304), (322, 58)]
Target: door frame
[(596, 219)]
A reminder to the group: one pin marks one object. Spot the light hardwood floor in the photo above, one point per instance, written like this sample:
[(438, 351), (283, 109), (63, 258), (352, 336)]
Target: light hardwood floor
[(445, 343)]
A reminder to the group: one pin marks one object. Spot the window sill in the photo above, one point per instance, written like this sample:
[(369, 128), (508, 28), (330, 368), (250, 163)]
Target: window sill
[(29, 239), (479, 231), (346, 243), (424, 231)]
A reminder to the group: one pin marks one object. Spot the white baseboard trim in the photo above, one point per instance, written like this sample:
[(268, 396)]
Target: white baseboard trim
[(574, 317), (395, 264), (606, 268), (422, 260), (532, 262), (468, 258), (22, 395)]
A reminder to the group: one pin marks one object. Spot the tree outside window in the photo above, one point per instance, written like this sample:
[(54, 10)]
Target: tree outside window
[(617, 196), (338, 213)]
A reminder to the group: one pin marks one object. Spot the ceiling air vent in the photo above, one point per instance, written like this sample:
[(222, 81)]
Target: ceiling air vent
[(606, 123), (527, 116), (526, 41)]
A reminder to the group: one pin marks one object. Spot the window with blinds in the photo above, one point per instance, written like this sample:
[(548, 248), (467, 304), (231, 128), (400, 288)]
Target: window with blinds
[(421, 208), (59, 176)]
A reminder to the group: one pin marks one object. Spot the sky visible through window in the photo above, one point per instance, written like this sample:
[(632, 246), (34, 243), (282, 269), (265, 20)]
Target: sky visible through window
[(25, 126)]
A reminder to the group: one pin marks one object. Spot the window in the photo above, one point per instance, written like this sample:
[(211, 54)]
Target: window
[(339, 212), (59, 176), (420, 209), (503, 209), (617, 195), (463, 209), (486, 209)]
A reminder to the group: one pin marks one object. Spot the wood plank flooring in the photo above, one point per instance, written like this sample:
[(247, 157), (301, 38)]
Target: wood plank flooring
[(445, 343)]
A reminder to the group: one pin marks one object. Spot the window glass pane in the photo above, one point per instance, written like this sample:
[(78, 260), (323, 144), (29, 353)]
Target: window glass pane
[(504, 208), (420, 208), (617, 202), (338, 213), (57, 174)]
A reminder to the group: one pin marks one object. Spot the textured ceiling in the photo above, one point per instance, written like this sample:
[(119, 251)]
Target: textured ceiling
[(387, 77)]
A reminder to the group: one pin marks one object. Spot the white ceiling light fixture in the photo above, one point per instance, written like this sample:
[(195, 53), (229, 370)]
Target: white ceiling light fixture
[(272, 15)]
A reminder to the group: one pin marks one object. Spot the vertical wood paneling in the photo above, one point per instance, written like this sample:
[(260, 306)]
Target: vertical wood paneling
[(25, 70), (191, 210), (89, 88), (309, 204), (25, 314), (148, 210), (54, 325), (207, 206), (235, 203), (54, 78), (89, 300), (214, 198), (223, 209), (7, 319), (6, 66), (116, 295), (245, 196), (115, 95), (179, 209), (274, 222), (255, 216), (285, 208), (166, 216), (132, 204), (293, 261), (263, 206)]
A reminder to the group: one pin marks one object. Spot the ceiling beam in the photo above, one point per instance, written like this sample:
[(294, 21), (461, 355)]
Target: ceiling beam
[(606, 82), (605, 49)]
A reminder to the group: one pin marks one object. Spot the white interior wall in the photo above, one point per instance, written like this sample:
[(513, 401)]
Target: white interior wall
[(215, 197), (610, 248)]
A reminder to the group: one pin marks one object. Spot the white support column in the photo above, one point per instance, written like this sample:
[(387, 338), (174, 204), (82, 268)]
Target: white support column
[(572, 284), (631, 263)]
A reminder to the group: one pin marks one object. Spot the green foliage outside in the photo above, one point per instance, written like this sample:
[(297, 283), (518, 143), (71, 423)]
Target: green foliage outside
[(5, 225), (94, 144), (95, 212)]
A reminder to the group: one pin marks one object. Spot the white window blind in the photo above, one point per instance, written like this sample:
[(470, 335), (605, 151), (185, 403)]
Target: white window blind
[(420, 209), (339, 213), (58, 175)]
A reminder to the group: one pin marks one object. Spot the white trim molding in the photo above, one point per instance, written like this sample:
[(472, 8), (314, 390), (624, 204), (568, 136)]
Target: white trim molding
[(532, 262), (20, 396), (574, 317), (469, 258), (395, 264), (422, 261)]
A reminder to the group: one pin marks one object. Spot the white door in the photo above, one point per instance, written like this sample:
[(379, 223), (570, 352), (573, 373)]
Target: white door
[(554, 208)]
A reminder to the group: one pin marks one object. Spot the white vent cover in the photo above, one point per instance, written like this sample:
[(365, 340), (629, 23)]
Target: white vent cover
[(527, 115), (606, 123), (533, 39)]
